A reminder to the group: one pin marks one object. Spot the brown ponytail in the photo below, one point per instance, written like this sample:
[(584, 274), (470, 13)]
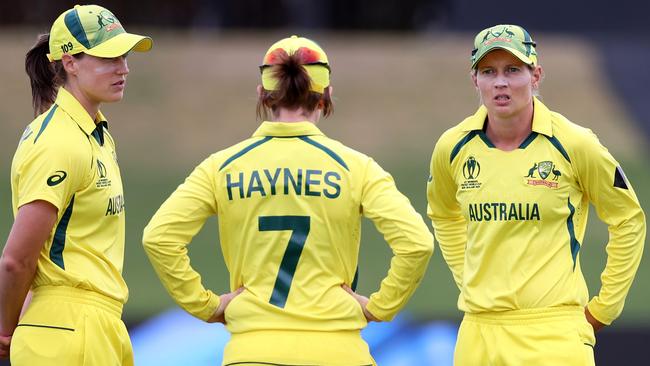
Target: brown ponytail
[(44, 77), (293, 90)]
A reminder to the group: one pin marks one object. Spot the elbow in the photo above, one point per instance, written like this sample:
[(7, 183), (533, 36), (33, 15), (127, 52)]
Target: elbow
[(424, 249), (148, 241), (427, 251), (16, 266), (427, 245)]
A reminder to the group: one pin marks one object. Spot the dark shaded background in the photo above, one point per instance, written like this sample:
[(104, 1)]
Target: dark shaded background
[(621, 28)]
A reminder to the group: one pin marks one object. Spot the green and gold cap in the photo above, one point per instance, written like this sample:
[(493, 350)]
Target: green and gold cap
[(312, 58), (93, 30), (511, 38)]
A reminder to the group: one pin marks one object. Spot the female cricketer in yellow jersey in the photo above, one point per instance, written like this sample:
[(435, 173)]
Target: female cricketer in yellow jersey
[(67, 240), (508, 196), (289, 202)]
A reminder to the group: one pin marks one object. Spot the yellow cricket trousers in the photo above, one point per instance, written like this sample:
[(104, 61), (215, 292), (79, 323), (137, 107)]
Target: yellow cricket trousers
[(70, 326), (289, 347), (558, 336)]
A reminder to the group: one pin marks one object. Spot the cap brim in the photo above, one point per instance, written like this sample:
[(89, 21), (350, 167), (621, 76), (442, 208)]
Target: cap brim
[(121, 45), (525, 59)]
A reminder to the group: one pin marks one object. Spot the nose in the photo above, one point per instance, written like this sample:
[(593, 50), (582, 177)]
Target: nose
[(500, 81), (122, 65)]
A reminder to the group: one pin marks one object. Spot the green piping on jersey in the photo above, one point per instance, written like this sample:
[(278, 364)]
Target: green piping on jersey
[(559, 147), (355, 281), (575, 244), (485, 139), (528, 140), (98, 132), (46, 121), (58, 243), (245, 150), (326, 150), (467, 138)]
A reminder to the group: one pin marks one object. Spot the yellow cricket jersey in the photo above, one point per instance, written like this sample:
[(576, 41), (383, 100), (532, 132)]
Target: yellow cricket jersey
[(289, 203), (510, 224), (67, 159)]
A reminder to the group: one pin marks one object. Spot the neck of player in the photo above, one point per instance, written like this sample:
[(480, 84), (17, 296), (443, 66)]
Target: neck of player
[(296, 115), (507, 132)]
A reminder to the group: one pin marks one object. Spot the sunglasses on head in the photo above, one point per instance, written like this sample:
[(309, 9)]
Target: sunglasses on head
[(306, 55)]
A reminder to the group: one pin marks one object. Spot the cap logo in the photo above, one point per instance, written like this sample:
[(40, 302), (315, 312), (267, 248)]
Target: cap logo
[(107, 21), (497, 37)]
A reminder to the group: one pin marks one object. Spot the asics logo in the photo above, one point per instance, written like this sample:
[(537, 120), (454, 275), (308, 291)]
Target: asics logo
[(56, 178)]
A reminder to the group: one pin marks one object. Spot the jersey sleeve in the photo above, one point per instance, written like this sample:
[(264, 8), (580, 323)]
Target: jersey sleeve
[(407, 235), (52, 172), (449, 225), (169, 232), (616, 204)]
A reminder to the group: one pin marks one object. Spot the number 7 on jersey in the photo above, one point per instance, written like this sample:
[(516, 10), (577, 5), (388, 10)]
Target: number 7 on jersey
[(299, 225)]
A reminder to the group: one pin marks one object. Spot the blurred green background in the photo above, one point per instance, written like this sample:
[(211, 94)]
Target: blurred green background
[(394, 95)]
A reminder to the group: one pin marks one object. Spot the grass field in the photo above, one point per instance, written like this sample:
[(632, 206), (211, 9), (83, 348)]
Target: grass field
[(193, 95)]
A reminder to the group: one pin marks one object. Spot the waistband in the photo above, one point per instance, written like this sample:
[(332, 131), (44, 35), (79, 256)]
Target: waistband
[(527, 316), (302, 334), (297, 347), (79, 296)]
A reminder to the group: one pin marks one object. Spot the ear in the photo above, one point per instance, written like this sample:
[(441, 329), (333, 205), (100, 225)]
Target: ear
[(321, 102), (260, 89), (474, 78), (537, 76), (69, 64)]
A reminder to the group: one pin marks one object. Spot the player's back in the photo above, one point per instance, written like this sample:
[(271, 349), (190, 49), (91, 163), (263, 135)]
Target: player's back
[(289, 209)]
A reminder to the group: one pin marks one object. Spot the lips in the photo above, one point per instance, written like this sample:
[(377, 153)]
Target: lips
[(119, 83), (502, 99)]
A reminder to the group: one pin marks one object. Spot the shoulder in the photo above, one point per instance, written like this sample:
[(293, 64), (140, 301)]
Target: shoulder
[(452, 136), (54, 133), (453, 139), (575, 139), (349, 158), (222, 158)]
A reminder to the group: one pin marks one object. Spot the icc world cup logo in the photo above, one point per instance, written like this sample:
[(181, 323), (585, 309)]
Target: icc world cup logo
[(471, 168), (101, 169)]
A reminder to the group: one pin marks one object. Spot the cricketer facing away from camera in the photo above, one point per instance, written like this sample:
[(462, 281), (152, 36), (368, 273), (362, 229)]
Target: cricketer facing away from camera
[(289, 202)]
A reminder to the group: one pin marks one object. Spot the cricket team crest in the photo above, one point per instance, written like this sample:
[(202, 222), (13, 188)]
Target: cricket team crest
[(471, 171), (543, 173)]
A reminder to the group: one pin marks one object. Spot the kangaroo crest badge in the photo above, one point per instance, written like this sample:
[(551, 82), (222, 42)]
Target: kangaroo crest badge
[(544, 170)]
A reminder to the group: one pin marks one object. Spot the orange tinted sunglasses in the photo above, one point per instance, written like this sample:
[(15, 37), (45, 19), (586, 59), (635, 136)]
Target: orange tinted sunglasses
[(306, 55)]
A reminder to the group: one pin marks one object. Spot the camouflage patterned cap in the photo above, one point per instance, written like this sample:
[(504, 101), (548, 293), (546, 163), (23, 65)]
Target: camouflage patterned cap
[(511, 38)]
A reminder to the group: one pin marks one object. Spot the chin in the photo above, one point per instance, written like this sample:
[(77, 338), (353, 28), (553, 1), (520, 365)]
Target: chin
[(115, 97)]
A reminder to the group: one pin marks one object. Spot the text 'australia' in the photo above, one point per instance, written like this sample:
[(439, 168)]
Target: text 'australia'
[(500, 211), (115, 205), (306, 182)]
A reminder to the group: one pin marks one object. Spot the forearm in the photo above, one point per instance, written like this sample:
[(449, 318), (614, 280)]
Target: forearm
[(451, 235), (15, 281), (182, 282), (33, 224), (624, 252), (405, 274)]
